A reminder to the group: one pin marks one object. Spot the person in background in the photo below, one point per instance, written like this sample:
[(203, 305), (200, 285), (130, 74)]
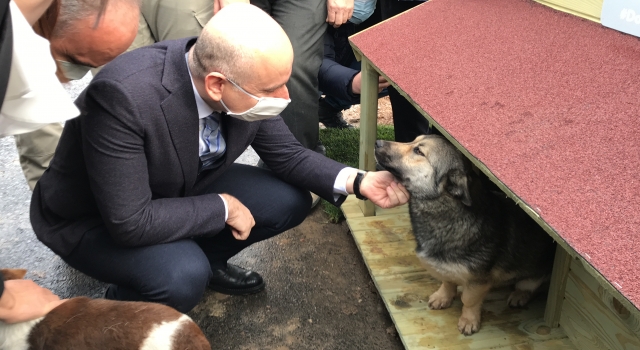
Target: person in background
[(27, 83), (305, 25), (32, 96), (79, 42), (408, 122), (339, 76)]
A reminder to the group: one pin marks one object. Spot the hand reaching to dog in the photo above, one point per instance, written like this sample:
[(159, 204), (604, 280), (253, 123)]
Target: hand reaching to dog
[(382, 189), (356, 84), (24, 300), (240, 219), (219, 4)]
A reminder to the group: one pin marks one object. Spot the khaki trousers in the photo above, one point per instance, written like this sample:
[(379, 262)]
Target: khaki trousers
[(171, 19), (36, 150)]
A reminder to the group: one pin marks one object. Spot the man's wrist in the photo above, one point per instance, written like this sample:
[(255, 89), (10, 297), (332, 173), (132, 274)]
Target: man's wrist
[(357, 182)]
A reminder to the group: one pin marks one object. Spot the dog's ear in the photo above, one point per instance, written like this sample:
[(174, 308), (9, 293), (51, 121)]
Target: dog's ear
[(458, 186), (13, 274)]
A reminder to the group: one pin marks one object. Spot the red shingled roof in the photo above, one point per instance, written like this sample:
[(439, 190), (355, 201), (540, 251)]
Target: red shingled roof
[(548, 101)]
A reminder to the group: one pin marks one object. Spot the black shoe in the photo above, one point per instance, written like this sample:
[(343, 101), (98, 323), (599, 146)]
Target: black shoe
[(320, 148), (331, 117), (108, 293), (235, 280)]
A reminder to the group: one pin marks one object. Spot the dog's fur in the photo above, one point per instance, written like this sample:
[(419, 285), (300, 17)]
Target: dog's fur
[(84, 324), (466, 235)]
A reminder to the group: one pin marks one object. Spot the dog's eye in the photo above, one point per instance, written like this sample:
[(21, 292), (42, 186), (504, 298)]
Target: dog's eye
[(418, 151)]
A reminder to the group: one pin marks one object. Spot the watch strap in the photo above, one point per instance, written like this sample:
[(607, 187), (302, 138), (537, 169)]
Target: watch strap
[(356, 185)]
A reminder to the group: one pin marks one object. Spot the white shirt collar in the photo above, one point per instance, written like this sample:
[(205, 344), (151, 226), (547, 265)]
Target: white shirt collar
[(204, 110)]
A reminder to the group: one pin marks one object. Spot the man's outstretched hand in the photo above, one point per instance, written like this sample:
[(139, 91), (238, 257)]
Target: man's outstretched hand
[(383, 189), (23, 300)]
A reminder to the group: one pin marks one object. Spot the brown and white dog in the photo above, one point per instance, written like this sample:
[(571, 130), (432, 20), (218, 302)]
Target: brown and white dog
[(85, 324)]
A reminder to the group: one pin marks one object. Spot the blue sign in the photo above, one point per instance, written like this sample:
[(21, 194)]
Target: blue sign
[(622, 15)]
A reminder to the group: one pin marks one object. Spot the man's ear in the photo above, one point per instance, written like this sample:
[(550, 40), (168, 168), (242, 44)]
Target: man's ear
[(458, 186), (13, 274), (214, 85)]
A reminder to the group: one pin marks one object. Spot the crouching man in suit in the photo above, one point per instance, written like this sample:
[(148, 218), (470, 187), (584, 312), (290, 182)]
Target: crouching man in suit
[(144, 193)]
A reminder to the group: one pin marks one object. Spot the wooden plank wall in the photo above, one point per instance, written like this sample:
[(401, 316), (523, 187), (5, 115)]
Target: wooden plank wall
[(593, 318), (388, 249)]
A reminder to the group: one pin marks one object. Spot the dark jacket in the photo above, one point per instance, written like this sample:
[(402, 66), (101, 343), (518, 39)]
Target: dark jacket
[(6, 48), (335, 76), (130, 161)]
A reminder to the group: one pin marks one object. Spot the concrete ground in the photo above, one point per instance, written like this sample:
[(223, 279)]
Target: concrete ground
[(319, 294)]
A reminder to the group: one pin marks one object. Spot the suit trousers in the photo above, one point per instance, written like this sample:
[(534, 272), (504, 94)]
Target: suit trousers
[(177, 273), (304, 21), (408, 122)]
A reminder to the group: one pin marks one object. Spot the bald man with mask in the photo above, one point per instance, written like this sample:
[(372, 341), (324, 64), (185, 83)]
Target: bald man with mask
[(145, 194)]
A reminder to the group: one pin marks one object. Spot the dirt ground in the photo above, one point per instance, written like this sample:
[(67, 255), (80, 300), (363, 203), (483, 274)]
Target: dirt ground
[(319, 296)]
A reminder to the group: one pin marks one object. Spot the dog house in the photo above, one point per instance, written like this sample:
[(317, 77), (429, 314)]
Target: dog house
[(545, 101)]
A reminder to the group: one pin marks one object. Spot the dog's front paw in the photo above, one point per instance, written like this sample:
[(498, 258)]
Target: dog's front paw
[(468, 326), (439, 301), (519, 298), (443, 297)]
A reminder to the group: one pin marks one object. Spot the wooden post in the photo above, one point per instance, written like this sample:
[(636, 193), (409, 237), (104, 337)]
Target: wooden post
[(559, 275), (368, 124)]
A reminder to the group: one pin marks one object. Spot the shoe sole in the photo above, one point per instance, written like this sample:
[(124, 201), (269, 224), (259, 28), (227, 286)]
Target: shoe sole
[(244, 291), (315, 199)]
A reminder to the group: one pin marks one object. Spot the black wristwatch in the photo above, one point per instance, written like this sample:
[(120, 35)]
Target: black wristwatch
[(356, 185)]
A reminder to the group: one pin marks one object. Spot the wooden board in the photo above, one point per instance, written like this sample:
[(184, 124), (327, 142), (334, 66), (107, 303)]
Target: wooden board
[(593, 318), (589, 9), (388, 249)]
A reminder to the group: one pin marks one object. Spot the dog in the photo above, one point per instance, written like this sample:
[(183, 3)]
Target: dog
[(86, 324), (466, 235)]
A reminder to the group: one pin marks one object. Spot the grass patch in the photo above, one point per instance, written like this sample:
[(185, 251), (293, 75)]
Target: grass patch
[(343, 145)]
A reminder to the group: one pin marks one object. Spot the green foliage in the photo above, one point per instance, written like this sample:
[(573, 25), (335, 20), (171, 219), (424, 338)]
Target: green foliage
[(343, 145)]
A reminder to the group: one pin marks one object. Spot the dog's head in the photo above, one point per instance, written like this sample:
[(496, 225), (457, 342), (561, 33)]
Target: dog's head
[(13, 274), (429, 167)]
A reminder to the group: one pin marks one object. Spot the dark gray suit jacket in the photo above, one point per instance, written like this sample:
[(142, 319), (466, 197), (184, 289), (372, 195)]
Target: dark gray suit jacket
[(130, 161)]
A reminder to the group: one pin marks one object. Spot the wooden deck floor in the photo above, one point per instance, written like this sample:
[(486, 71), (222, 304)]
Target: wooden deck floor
[(388, 249)]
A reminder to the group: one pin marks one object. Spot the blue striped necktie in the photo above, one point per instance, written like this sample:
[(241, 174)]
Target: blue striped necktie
[(212, 145)]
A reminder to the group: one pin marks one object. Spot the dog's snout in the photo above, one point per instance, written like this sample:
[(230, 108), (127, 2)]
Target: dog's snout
[(379, 143)]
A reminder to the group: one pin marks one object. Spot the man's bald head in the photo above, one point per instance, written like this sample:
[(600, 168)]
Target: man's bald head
[(239, 39), (94, 32)]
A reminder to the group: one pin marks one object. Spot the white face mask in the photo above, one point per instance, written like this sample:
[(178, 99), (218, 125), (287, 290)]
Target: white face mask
[(267, 107), (73, 71)]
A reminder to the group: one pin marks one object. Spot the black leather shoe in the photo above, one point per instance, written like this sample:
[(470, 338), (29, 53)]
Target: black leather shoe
[(235, 280), (331, 117), (320, 148)]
